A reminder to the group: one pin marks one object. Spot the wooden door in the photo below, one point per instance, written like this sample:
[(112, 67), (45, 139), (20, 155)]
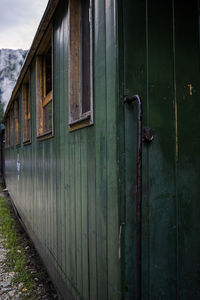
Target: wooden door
[(162, 65)]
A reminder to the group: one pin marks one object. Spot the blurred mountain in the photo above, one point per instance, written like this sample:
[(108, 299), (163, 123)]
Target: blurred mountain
[(11, 62)]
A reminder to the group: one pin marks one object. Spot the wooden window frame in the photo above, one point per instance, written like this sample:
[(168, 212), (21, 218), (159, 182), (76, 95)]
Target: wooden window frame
[(43, 99), (17, 121), (26, 96), (78, 119)]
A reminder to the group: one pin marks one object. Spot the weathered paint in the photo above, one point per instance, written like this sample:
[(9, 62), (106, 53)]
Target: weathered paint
[(66, 190), (161, 63), (76, 191)]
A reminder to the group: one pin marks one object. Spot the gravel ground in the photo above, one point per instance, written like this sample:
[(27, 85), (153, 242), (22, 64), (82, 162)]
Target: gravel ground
[(10, 291)]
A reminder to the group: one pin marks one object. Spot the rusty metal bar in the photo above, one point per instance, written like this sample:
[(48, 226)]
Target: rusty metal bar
[(129, 100)]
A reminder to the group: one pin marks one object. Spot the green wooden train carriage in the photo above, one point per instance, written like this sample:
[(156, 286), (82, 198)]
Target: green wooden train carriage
[(102, 148)]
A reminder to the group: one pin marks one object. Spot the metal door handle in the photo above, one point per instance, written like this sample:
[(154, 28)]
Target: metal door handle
[(129, 100)]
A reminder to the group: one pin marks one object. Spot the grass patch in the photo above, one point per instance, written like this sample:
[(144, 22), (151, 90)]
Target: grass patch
[(16, 257)]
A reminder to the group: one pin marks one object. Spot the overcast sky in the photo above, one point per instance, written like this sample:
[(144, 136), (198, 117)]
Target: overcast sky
[(19, 20)]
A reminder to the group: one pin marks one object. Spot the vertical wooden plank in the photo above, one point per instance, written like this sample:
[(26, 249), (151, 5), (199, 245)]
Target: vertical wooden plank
[(73, 275), (92, 212), (161, 219), (135, 82), (35, 194), (31, 95), (56, 214), (38, 182), (23, 161), (51, 199), (41, 213), (66, 147), (59, 181), (33, 133), (56, 148), (78, 200), (101, 148), (46, 191), (62, 154), (84, 215), (113, 228), (186, 51)]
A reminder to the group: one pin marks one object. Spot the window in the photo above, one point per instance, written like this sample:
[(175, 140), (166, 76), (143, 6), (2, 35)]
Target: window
[(26, 109), (17, 128), (44, 80), (80, 65), (12, 126)]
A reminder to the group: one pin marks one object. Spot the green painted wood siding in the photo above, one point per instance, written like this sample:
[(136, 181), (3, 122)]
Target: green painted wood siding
[(76, 191), (161, 63), (67, 188)]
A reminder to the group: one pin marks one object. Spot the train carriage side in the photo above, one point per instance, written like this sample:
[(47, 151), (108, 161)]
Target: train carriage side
[(71, 148), (61, 160)]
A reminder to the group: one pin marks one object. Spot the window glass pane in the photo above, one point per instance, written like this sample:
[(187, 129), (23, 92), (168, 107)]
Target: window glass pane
[(48, 72), (27, 99), (17, 130), (85, 43), (80, 65), (29, 129), (11, 128), (26, 112), (48, 117), (44, 87)]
